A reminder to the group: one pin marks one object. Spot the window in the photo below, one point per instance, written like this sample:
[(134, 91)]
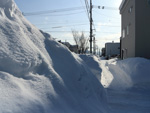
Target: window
[(123, 33), (130, 10), (127, 29)]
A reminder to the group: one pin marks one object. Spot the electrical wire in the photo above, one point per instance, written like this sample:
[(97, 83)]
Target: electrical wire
[(62, 14), (52, 11), (85, 9), (63, 22), (57, 27), (69, 26), (84, 31)]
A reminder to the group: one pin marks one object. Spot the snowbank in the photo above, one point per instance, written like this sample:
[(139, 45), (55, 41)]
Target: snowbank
[(128, 73), (37, 74), (127, 84), (120, 74), (93, 63)]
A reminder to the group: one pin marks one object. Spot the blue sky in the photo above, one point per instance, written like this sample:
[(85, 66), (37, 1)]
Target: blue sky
[(107, 21)]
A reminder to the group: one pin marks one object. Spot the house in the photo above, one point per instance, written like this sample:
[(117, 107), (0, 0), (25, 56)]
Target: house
[(112, 49), (72, 48), (135, 39), (103, 52)]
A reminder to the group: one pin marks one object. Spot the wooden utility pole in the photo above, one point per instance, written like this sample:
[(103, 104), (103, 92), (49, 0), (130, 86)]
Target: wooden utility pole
[(94, 46), (91, 23)]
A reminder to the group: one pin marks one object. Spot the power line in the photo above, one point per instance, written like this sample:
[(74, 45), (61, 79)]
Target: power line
[(66, 23), (52, 11), (69, 9), (85, 31), (61, 14), (69, 25), (85, 9), (62, 31), (57, 27)]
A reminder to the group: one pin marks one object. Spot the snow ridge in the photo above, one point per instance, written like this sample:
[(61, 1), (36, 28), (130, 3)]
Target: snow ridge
[(8, 8), (38, 74)]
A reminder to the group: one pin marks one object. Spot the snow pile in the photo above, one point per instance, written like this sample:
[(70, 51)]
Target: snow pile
[(93, 63), (128, 73), (39, 75), (127, 82), (120, 74)]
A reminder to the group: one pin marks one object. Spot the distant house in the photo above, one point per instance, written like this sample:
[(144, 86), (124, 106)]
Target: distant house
[(103, 52), (135, 39), (73, 48), (112, 49)]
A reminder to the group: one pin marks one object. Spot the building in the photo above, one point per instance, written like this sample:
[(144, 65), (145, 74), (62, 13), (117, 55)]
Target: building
[(72, 48), (112, 49), (135, 39), (103, 52)]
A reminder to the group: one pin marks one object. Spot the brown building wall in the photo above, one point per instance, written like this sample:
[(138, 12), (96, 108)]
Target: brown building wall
[(128, 19), (142, 29)]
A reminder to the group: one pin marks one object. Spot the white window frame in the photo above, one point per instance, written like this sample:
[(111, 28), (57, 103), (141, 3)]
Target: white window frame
[(130, 9), (123, 33), (127, 29)]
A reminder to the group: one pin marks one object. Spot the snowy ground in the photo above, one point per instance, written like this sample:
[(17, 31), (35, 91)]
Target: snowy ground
[(129, 101), (126, 82)]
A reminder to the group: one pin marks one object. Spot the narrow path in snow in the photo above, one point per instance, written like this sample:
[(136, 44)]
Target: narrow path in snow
[(126, 95), (131, 101)]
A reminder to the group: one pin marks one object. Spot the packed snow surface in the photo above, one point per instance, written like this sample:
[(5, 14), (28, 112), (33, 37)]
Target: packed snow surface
[(125, 74), (39, 75), (127, 82), (129, 89)]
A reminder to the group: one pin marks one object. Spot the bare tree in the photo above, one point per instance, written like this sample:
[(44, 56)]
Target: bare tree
[(81, 41), (76, 37)]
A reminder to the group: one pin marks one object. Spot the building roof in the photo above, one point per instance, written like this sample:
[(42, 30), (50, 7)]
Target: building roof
[(112, 43), (121, 5)]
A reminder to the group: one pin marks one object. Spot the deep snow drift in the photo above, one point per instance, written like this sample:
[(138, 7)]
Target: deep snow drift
[(39, 75), (126, 74), (128, 85), (127, 82), (93, 63)]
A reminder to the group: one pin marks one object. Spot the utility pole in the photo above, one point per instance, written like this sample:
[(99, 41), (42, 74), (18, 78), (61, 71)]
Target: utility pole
[(91, 23), (94, 46)]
